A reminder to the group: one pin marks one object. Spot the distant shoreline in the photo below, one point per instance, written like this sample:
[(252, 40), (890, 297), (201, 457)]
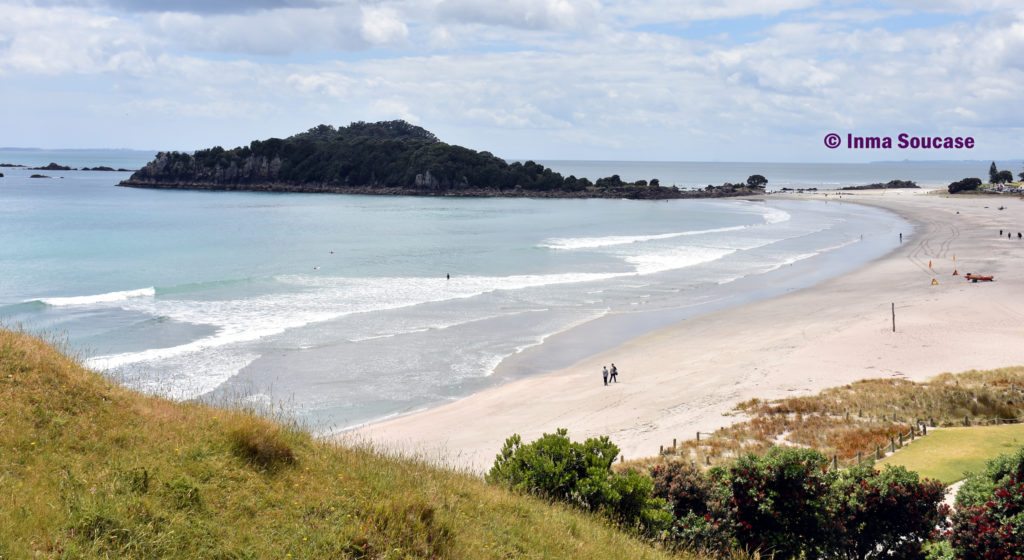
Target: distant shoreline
[(629, 192)]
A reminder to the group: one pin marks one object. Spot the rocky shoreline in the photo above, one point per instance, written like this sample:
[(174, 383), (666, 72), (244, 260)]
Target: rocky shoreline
[(627, 192)]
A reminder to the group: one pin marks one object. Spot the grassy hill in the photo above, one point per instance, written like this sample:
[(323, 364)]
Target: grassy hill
[(92, 470)]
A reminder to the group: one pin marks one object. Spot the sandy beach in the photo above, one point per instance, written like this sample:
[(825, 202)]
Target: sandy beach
[(688, 377)]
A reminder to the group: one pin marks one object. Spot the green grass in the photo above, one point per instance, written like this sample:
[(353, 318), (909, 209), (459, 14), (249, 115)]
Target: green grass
[(948, 453), (91, 470)]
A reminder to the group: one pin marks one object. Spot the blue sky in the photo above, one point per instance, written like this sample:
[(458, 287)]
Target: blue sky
[(694, 80)]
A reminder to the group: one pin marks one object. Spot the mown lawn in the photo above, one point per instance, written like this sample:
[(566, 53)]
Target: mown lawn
[(948, 453)]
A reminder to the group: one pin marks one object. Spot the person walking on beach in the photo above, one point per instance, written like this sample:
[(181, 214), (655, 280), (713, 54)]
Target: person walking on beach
[(604, 374), (614, 374), (901, 238)]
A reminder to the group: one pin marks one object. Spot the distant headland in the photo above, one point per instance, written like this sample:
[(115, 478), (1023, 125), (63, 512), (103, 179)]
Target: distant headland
[(391, 158)]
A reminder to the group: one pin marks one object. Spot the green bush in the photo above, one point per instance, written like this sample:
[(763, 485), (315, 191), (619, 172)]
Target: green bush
[(891, 514), (993, 530), (781, 501), (580, 473), (700, 505), (787, 504), (968, 184), (989, 521), (979, 487)]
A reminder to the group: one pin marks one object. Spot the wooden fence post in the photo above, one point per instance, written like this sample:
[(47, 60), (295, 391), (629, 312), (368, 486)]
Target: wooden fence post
[(892, 444), (967, 421), (860, 457), (673, 445), (698, 436), (894, 317), (901, 439), (661, 450)]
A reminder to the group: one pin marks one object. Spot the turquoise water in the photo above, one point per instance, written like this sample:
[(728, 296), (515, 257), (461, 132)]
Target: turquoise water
[(338, 307)]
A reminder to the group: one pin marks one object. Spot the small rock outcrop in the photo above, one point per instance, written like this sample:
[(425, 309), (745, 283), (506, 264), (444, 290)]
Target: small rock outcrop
[(52, 167)]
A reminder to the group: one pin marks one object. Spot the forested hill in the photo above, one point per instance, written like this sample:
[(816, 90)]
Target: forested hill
[(390, 157)]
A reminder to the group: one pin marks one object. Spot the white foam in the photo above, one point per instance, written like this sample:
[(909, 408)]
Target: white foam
[(326, 298), (98, 298), (676, 258), (775, 216), (768, 214), (792, 260), (571, 243)]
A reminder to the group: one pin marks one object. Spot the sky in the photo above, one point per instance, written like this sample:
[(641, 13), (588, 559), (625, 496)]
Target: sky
[(658, 80)]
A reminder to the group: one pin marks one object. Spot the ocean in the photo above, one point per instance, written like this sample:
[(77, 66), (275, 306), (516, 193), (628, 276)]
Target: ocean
[(339, 309)]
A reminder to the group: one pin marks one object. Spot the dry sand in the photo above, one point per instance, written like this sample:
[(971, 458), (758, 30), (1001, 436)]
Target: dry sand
[(685, 378)]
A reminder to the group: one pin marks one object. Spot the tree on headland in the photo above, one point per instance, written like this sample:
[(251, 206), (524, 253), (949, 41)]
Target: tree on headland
[(613, 181), (1004, 176), (757, 181), (968, 184), (993, 172), (657, 183)]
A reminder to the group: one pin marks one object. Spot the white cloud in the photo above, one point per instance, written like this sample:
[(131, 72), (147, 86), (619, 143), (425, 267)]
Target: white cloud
[(527, 14), (381, 26), (538, 78)]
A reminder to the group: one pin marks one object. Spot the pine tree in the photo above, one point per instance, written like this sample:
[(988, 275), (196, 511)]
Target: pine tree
[(993, 173)]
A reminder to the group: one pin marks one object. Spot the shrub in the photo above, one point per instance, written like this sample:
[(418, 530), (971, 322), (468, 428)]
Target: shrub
[(261, 443), (685, 487), (579, 473), (780, 501), (994, 530), (968, 184), (787, 504), (700, 504), (892, 513), (979, 487)]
